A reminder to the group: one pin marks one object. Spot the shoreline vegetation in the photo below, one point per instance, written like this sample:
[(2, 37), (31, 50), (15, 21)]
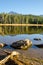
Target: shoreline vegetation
[(20, 19)]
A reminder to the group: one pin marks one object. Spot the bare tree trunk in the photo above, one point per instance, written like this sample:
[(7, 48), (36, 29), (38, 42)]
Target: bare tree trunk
[(2, 62)]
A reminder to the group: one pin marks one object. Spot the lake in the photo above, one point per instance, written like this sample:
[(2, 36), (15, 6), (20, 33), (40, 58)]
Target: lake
[(9, 39), (9, 35)]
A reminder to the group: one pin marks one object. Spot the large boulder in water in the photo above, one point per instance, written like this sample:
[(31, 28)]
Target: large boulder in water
[(22, 44), (2, 45)]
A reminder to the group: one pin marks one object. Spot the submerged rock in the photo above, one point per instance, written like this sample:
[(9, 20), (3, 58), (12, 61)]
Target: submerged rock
[(2, 45), (22, 44), (37, 39)]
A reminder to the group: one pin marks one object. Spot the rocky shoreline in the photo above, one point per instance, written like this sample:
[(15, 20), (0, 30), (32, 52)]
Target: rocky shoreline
[(33, 57)]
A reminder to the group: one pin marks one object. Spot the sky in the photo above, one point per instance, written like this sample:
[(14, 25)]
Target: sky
[(34, 7)]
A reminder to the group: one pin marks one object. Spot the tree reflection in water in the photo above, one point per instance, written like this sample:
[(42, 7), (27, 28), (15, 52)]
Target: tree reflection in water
[(21, 30)]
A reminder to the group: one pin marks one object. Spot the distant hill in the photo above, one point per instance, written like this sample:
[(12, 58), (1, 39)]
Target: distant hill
[(11, 12)]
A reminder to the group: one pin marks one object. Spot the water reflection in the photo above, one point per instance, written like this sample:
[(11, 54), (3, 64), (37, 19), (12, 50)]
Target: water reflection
[(21, 30)]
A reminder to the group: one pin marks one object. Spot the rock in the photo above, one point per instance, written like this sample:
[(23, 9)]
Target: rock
[(2, 45), (37, 39), (22, 44), (15, 53)]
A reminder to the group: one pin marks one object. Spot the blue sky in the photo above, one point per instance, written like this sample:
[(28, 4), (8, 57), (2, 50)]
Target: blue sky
[(34, 7)]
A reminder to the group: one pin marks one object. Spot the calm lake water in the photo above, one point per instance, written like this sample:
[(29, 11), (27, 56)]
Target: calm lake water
[(9, 39), (12, 34)]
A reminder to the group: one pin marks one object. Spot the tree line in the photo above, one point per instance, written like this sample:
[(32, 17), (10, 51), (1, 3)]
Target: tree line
[(20, 19)]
